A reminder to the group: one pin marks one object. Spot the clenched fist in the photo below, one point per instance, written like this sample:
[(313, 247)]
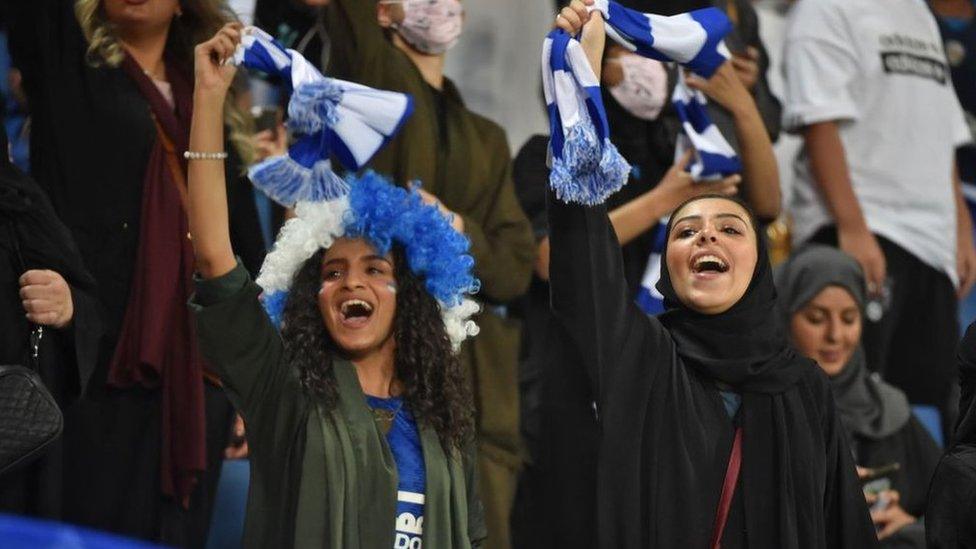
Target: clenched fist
[(47, 298)]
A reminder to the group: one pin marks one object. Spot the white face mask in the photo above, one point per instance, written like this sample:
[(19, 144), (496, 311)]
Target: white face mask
[(430, 26), (643, 91)]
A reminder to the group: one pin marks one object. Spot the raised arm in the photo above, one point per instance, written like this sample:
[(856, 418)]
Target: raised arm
[(236, 335), (588, 288), (207, 209), (358, 43), (759, 168)]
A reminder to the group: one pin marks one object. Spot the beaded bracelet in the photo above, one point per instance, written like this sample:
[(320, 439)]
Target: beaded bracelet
[(195, 155)]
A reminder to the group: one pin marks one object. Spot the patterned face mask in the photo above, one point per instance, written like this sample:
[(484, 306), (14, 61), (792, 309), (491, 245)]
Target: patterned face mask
[(644, 88), (430, 26)]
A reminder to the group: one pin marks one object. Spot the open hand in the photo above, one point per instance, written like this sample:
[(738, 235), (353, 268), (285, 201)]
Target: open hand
[(47, 298), (212, 70), (678, 186)]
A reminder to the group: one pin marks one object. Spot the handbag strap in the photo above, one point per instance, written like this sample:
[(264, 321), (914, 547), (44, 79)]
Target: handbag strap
[(36, 331), (728, 490)]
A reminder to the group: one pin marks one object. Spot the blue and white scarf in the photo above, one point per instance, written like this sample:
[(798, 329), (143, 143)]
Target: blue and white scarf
[(694, 41), (585, 167), (329, 116), (648, 298)]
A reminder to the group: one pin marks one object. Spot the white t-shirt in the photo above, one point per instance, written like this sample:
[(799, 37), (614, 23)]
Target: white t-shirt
[(877, 67)]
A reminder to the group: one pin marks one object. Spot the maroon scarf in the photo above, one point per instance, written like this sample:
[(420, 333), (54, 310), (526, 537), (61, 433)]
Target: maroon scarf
[(157, 346)]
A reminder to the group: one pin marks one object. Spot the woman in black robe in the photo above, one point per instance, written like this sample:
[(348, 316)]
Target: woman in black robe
[(109, 125), (33, 240), (951, 518), (714, 431), (822, 294), (673, 391)]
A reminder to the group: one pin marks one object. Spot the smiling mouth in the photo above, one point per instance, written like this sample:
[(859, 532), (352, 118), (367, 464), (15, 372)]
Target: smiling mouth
[(709, 264), (355, 312)]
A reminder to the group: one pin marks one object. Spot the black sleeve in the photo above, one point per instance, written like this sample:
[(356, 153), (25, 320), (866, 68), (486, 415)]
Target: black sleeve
[(966, 361), (84, 337), (846, 515), (922, 456), (949, 520), (589, 294)]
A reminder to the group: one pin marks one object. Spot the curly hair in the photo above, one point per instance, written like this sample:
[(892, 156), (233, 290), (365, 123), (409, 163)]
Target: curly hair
[(434, 387), (201, 19)]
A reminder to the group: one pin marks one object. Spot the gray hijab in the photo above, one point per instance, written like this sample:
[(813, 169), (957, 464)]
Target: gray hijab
[(868, 406)]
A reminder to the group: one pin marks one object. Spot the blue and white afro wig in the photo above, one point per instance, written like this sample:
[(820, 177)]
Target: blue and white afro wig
[(330, 117), (382, 214)]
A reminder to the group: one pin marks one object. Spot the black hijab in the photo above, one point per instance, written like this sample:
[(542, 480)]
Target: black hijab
[(746, 348), (868, 406)]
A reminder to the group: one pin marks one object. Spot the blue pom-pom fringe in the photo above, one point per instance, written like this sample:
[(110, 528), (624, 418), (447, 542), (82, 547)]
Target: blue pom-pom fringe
[(588, 171), (313, 106), (287, 182)]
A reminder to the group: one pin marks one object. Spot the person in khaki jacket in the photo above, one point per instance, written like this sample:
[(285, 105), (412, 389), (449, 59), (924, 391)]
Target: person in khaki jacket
[(463, 162)]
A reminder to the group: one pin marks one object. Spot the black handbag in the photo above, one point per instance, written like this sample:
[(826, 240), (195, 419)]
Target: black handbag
[(30, 419)]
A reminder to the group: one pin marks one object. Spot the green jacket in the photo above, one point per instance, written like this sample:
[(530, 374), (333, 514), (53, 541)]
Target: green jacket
[(465, 163), (319, 479)]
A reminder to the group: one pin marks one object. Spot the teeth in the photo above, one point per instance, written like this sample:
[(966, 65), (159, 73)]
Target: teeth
[(709, 258), (360, 302)]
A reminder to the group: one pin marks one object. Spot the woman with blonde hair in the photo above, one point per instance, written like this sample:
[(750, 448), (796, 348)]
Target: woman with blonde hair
[(110, 86)]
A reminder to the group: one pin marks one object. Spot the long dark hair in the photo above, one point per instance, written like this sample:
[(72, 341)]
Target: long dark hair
[(434, 388)]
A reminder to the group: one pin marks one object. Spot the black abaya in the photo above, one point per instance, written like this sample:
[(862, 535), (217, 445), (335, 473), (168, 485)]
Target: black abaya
[(949, 519), (666, 434), (66, 356), (91, 137)]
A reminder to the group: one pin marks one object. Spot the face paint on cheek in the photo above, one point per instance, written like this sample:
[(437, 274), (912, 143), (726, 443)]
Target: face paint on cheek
[(392, 287)]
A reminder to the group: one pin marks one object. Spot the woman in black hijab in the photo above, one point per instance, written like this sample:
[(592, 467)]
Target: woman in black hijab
[(674, 392), (949, 521), (714, 431), (822, 297)]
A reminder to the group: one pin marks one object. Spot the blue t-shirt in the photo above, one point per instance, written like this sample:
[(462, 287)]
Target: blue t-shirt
[(404, 439)]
